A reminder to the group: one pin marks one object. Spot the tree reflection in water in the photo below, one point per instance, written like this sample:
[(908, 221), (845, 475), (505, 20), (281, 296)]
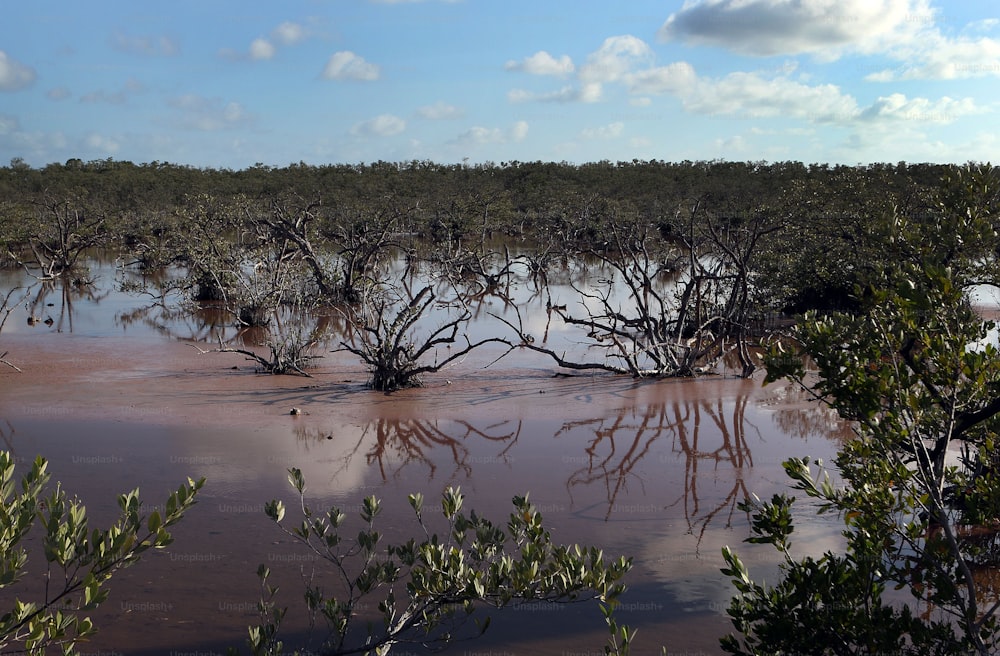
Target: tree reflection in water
[(396, 444), (698, 441), (40, 303), (621, 442)]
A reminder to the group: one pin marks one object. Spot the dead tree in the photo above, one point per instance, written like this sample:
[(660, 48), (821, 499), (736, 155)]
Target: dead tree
[(361, 240), (289, 226), (287, 354), (61, 233), (386, 338), (239, 265), (663, 313)]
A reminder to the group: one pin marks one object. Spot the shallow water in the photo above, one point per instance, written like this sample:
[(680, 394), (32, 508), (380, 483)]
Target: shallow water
[(641, 468)]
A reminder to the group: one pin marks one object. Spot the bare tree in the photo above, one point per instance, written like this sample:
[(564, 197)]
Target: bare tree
[(289, 224), (386, 337), (61, 232), (361, 240), (659, 309)]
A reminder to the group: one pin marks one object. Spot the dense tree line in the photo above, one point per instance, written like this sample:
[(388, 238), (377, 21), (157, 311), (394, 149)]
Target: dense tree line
[(829, 242)]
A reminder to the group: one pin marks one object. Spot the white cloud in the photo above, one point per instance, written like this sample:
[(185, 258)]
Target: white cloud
[(934, 56), (345, 65), (101, 143), (736, 143), (480, 135), (385, 125), (588, 93), (542, 63), (209, 114), (609, 131), (774, 27), (519, 132), (477, 136), (14, 75), (616, 57), (591, 92), (751, 95), (288, 33), (150, 46), (671, 78), (984, 25), (440, 111), (904, 30), (758, 95), (265, 48), (896, 107), (261, 49), (615, 60)]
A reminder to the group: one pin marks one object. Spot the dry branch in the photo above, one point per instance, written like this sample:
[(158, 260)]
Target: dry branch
[(285, 358)]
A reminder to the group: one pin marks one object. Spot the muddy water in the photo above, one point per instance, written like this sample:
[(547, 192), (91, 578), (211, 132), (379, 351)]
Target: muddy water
[(647, 469)]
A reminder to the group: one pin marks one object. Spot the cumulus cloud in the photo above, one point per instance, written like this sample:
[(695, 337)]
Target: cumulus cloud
[(519, 132), (209, 114), (384, 125), (149, 46), (14, 75), (613, 61), (774, 27), (587, 93), (672, 78), (101, 143), (542, 63), (440, 111), (345, 65), (904, 30), (616, 57), (897, 107), (753, 95), (288, 33), (609, 131), (766, 95), (935, 56), (478, 135), (262, 49)]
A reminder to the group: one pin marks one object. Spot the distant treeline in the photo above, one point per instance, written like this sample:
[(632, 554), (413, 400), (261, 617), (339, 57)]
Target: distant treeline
[(818, 231), (652, 190)]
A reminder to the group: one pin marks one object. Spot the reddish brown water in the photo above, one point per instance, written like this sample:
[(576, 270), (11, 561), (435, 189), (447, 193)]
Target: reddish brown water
[(647, 469)]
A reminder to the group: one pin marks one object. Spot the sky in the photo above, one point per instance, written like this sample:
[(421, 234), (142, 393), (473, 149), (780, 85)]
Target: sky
[(226, 84)]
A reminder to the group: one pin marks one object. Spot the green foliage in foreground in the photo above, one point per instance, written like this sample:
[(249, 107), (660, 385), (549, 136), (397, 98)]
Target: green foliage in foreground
[(921, 380), (78, 561), (425, 591)]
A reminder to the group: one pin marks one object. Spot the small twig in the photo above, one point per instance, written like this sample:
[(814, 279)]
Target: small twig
[(9, 364)]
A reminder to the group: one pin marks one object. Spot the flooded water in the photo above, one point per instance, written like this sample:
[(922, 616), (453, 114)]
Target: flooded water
[(113, 395)]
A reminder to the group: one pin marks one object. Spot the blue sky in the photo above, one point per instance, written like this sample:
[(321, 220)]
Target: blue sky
[(221, 83)]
